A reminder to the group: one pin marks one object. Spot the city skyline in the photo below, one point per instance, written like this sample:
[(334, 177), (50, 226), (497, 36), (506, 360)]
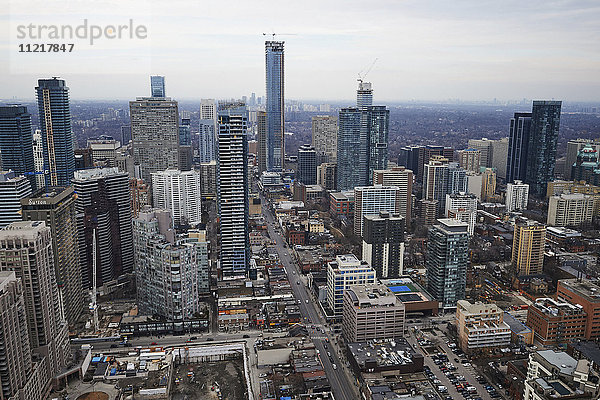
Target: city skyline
[(424, 51)]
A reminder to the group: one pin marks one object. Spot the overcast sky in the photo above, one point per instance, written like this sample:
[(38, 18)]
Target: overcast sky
[(425, 50)]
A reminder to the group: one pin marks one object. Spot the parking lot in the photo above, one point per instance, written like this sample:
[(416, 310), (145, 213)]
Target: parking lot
[(449, 370)]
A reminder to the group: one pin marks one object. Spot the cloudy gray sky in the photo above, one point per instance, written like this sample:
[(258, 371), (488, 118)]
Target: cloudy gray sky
[(426, 49)]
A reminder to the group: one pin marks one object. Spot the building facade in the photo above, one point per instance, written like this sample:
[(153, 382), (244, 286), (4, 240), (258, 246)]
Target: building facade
[(16, 142), (207, 132), (570, 209), (587, 295), (57, 135), (383, 244), (481, 327), (529, 239), (56, 208), (344, 272), (307, 165), (233, 189), (371, 200), (470, 159), (274, 63), (403, 179), (324, 136), (13, 188), (168, 273), (179, 192), (446, 263), (555, 322), (462, 206), (541, 152), (517, 196), (371, 312), (26, 250), (103, 205), (155, 134), (157, 86), (518, 144)]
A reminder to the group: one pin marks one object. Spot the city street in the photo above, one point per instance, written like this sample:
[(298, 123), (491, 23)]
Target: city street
[(342, 384)]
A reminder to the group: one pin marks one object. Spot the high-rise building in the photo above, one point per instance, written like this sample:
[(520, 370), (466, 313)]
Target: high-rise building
[(457, 179), (586, 166), (324, 136), (125, 134), (362, 145), (486, 151), (26, 249), (233, 189), (435, 181), (462, 206), (207, 134), (13, 188), (529, 239), (403, 178), (376, 121), (307, 165), (518, 144), (56, 207), (541, 152), (447, 256), (185, 132), (261, 133), (351, 150), (167, 272), (38, 158), (208, 172), (140, 195), (344, 272), (570, 209), (57, 135), (372, 312), (157, 86), (488, 185), (470, 159), (364, 95), (517, 196), (104, 151), (155, 134), (103, 204), (327, 176), (573, 148), (274, 62), (180, 193), (16, 142), (409, 157), (499, 157), (425, 153), (383, 244), (371, 200), (18, 374)]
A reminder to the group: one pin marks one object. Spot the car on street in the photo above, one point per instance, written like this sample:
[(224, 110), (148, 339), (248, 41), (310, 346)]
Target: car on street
[(153, 344)]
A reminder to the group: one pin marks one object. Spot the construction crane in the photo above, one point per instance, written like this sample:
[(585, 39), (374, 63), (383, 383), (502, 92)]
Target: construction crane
[(363, 74), (278, 34)]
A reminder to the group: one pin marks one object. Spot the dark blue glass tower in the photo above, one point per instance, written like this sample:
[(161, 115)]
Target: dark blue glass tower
[(543, 138), (275, 105), (57, 136), (518, 141), (351, 150), (16, 141)]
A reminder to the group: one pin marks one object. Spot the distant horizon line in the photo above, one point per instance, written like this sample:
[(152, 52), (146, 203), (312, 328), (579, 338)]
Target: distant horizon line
[(338, 101)]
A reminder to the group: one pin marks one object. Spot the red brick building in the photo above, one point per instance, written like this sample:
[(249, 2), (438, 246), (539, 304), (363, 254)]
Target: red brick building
[(555, 322), (587, 295)]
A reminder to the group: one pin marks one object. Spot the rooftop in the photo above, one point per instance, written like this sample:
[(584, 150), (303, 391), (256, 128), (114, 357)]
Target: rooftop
[(565, 363), (372, 295), (384, 353), (585, 289)]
